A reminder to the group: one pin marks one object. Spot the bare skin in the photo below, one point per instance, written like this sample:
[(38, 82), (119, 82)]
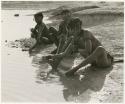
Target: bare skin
[(63, 47), (38, 20), (38, 34), (54, 60), (99, 55), (63, 31), (91, 49)]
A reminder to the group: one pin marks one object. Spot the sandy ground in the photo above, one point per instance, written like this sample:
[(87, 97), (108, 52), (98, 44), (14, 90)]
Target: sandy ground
[(24, 79)]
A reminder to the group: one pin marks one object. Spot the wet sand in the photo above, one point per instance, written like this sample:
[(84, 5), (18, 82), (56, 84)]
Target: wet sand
[(24, 78)]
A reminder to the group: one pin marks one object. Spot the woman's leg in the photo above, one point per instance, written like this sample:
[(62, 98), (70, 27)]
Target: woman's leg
[(53, 39), (45, 40), (53, 35), (60, 46), (83, 53), (66, 52), (54, 63), (97, 55)]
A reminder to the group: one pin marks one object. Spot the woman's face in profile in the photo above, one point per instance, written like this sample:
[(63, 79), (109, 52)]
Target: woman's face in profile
[(66, 16), (73, 32), (38, 19)]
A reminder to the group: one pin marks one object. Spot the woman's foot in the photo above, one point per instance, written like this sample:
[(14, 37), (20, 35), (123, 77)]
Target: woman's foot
[(47, 57), (53, 64), (54, 51), (51, 56), (30, 50)]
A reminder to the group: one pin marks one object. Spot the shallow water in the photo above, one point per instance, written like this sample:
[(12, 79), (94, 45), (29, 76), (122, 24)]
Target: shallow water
[(18, 27), (20, 82)]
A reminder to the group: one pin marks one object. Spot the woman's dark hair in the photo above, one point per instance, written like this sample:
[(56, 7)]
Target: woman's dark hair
[(39, 14), (65, 12), (74, 23)]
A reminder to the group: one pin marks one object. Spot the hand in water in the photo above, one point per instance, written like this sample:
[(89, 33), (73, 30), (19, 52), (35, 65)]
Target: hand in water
[(71, 72), (47, 57), (51, 56)]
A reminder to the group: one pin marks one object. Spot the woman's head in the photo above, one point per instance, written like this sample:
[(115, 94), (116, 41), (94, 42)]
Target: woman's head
[(74, 27), (38, 17), (65, 14)]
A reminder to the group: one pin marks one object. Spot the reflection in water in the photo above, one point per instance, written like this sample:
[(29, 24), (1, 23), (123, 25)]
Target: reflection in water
[(44, 68), (74, 89)]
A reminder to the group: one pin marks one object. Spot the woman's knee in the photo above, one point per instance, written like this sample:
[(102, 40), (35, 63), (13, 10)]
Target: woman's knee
[(82, 53), (100, 49), (52, 37), (52, 30), (33, 35)]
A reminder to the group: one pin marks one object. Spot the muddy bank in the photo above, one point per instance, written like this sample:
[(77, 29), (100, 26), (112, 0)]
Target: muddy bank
[(93, 16), (56, 12), (89, 20)]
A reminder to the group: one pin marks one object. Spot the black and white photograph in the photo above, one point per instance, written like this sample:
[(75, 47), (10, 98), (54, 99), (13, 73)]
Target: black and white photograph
[(62, 51)]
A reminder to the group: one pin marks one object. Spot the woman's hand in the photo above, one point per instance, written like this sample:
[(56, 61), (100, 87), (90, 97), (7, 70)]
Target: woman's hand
[(32, 30)]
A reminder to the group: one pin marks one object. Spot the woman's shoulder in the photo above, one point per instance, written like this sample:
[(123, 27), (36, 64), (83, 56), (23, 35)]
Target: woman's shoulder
[(43, 24), (86, 34)]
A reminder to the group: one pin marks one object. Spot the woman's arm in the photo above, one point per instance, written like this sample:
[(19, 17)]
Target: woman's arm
[(87, 50), (68, 47), (88, 46)]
